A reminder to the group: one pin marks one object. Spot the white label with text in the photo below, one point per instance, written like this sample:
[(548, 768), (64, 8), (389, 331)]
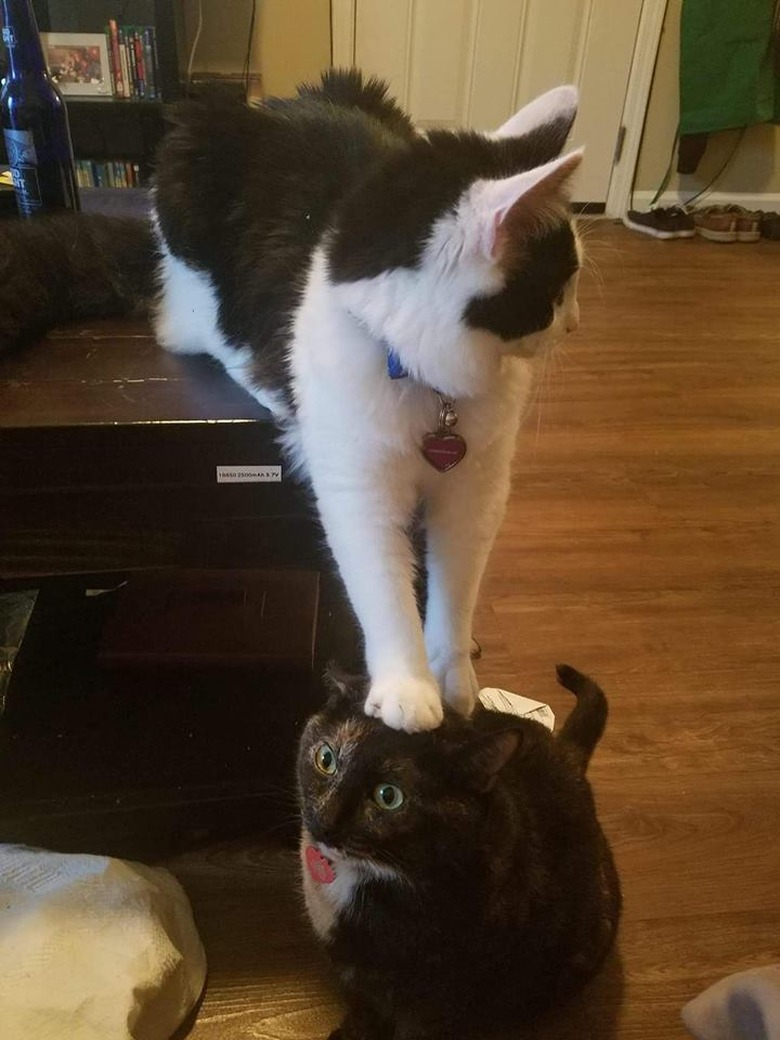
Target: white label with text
[(249, 474)]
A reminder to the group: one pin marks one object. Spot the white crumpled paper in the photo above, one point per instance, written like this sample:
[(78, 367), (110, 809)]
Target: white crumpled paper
[(495, 699), (93, 948)]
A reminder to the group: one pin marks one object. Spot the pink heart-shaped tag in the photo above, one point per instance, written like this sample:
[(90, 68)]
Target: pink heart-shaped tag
[(319, 866), (443, 450)]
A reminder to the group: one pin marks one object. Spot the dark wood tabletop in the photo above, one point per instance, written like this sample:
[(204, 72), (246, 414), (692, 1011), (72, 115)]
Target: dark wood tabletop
[(115, 372), (109, 449)]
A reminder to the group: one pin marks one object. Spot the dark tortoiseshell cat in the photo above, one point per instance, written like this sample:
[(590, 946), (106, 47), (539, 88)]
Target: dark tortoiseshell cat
[(458, 878)]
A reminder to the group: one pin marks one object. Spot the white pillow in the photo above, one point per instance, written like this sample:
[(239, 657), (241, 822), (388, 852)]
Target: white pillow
[(93, 948)]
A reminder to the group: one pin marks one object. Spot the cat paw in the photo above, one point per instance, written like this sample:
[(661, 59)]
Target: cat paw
[(405, 703), (458, 681)]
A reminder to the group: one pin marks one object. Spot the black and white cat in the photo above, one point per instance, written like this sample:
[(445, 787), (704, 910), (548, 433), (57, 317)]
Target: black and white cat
[(459, 879), (372, 286)]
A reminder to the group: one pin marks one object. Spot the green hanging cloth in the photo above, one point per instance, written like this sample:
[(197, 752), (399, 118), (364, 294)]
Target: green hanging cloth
[(729, 74)]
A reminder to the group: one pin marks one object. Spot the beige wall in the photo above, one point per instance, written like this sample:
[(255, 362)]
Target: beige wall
[(293, 43), (291, 40), (755, 167)]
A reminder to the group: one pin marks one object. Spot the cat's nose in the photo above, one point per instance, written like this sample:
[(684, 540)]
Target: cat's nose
[(322, 829)]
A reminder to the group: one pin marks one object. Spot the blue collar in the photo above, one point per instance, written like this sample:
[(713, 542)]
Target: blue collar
[(395, 368)]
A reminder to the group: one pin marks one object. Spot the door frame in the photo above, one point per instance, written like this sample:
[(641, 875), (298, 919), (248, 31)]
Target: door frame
[(342, 33), (648, 37), (640, 81)]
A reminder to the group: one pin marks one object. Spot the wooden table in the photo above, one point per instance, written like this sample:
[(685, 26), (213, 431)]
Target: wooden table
[(109, 456), (109, 449)]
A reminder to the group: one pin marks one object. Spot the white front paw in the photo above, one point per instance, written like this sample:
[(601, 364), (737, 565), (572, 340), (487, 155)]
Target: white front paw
[(458, 681), (405, 703)]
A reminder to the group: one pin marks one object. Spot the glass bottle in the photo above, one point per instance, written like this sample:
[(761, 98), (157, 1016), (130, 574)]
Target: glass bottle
[(34, 120)]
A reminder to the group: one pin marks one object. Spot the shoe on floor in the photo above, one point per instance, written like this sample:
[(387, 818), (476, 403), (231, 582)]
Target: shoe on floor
[(748, 226), (770, 225), (728, 224), (662, 222)]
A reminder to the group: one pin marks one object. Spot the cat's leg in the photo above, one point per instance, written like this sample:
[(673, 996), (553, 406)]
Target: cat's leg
[(366, 514), (185, 317), (463, 515), (186, 322)]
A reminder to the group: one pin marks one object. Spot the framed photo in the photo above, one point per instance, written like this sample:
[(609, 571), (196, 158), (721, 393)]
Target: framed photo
[(78, 63)]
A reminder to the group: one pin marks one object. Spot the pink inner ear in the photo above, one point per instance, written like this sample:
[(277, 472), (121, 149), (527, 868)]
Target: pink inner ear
[(495, 250), (512, 207)]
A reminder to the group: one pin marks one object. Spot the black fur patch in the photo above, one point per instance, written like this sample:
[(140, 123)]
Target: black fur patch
[(347, 87), (525, 305), (71, 266), (245, 194), (386, 220)]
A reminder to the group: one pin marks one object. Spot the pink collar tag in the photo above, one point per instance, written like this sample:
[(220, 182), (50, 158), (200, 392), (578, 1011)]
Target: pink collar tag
[(320, 868)]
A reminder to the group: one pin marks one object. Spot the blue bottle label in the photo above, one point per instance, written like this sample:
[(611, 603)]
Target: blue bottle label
[(20, 145), (27, 188), (8, 36), (23, 160)]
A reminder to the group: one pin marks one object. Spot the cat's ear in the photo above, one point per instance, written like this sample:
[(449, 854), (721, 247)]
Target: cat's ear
[(509, 210), (343, 688), (489, 752), (553, 113)]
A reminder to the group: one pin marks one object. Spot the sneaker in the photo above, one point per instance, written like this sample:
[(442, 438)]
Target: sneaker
[(662, 222), (716, 224), (728, 224), (748, 224), (770, 225)]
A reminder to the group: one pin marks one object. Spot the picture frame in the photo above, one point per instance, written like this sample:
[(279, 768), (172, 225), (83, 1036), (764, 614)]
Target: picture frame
[(78, 63)]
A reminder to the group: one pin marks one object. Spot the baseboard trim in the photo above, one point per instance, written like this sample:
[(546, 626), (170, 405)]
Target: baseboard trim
[(758, 200)]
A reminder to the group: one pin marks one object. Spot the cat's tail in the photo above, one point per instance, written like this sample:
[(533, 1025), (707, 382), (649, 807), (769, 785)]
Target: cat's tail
[(69, 267), (583, 728), (348, 88)]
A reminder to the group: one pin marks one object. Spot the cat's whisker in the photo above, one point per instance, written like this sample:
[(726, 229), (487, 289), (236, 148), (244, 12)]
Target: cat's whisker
[(542, 393), (590, 263)]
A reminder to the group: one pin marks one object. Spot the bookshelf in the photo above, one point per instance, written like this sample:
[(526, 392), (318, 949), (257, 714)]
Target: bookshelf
[(113, 129)]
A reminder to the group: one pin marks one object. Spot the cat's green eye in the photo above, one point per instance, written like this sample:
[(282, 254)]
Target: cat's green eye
[(325, 759), (388, 796)]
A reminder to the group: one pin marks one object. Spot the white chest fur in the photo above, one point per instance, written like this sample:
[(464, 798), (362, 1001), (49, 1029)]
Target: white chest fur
[(326, 903), (352, 412)]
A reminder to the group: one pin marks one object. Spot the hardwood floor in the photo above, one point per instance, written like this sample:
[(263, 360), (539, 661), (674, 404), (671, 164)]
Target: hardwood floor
[(642, 545)]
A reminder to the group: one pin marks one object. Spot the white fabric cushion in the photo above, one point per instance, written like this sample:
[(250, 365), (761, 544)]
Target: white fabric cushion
[(93, 948)]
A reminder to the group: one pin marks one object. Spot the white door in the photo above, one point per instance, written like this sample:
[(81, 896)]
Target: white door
[(473, 63)]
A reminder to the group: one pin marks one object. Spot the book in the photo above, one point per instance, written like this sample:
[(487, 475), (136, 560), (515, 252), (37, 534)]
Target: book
[(123, 62), (120, 174), (138, 50), (133, 61), (115, 60), (149, 63), (130, 49)]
